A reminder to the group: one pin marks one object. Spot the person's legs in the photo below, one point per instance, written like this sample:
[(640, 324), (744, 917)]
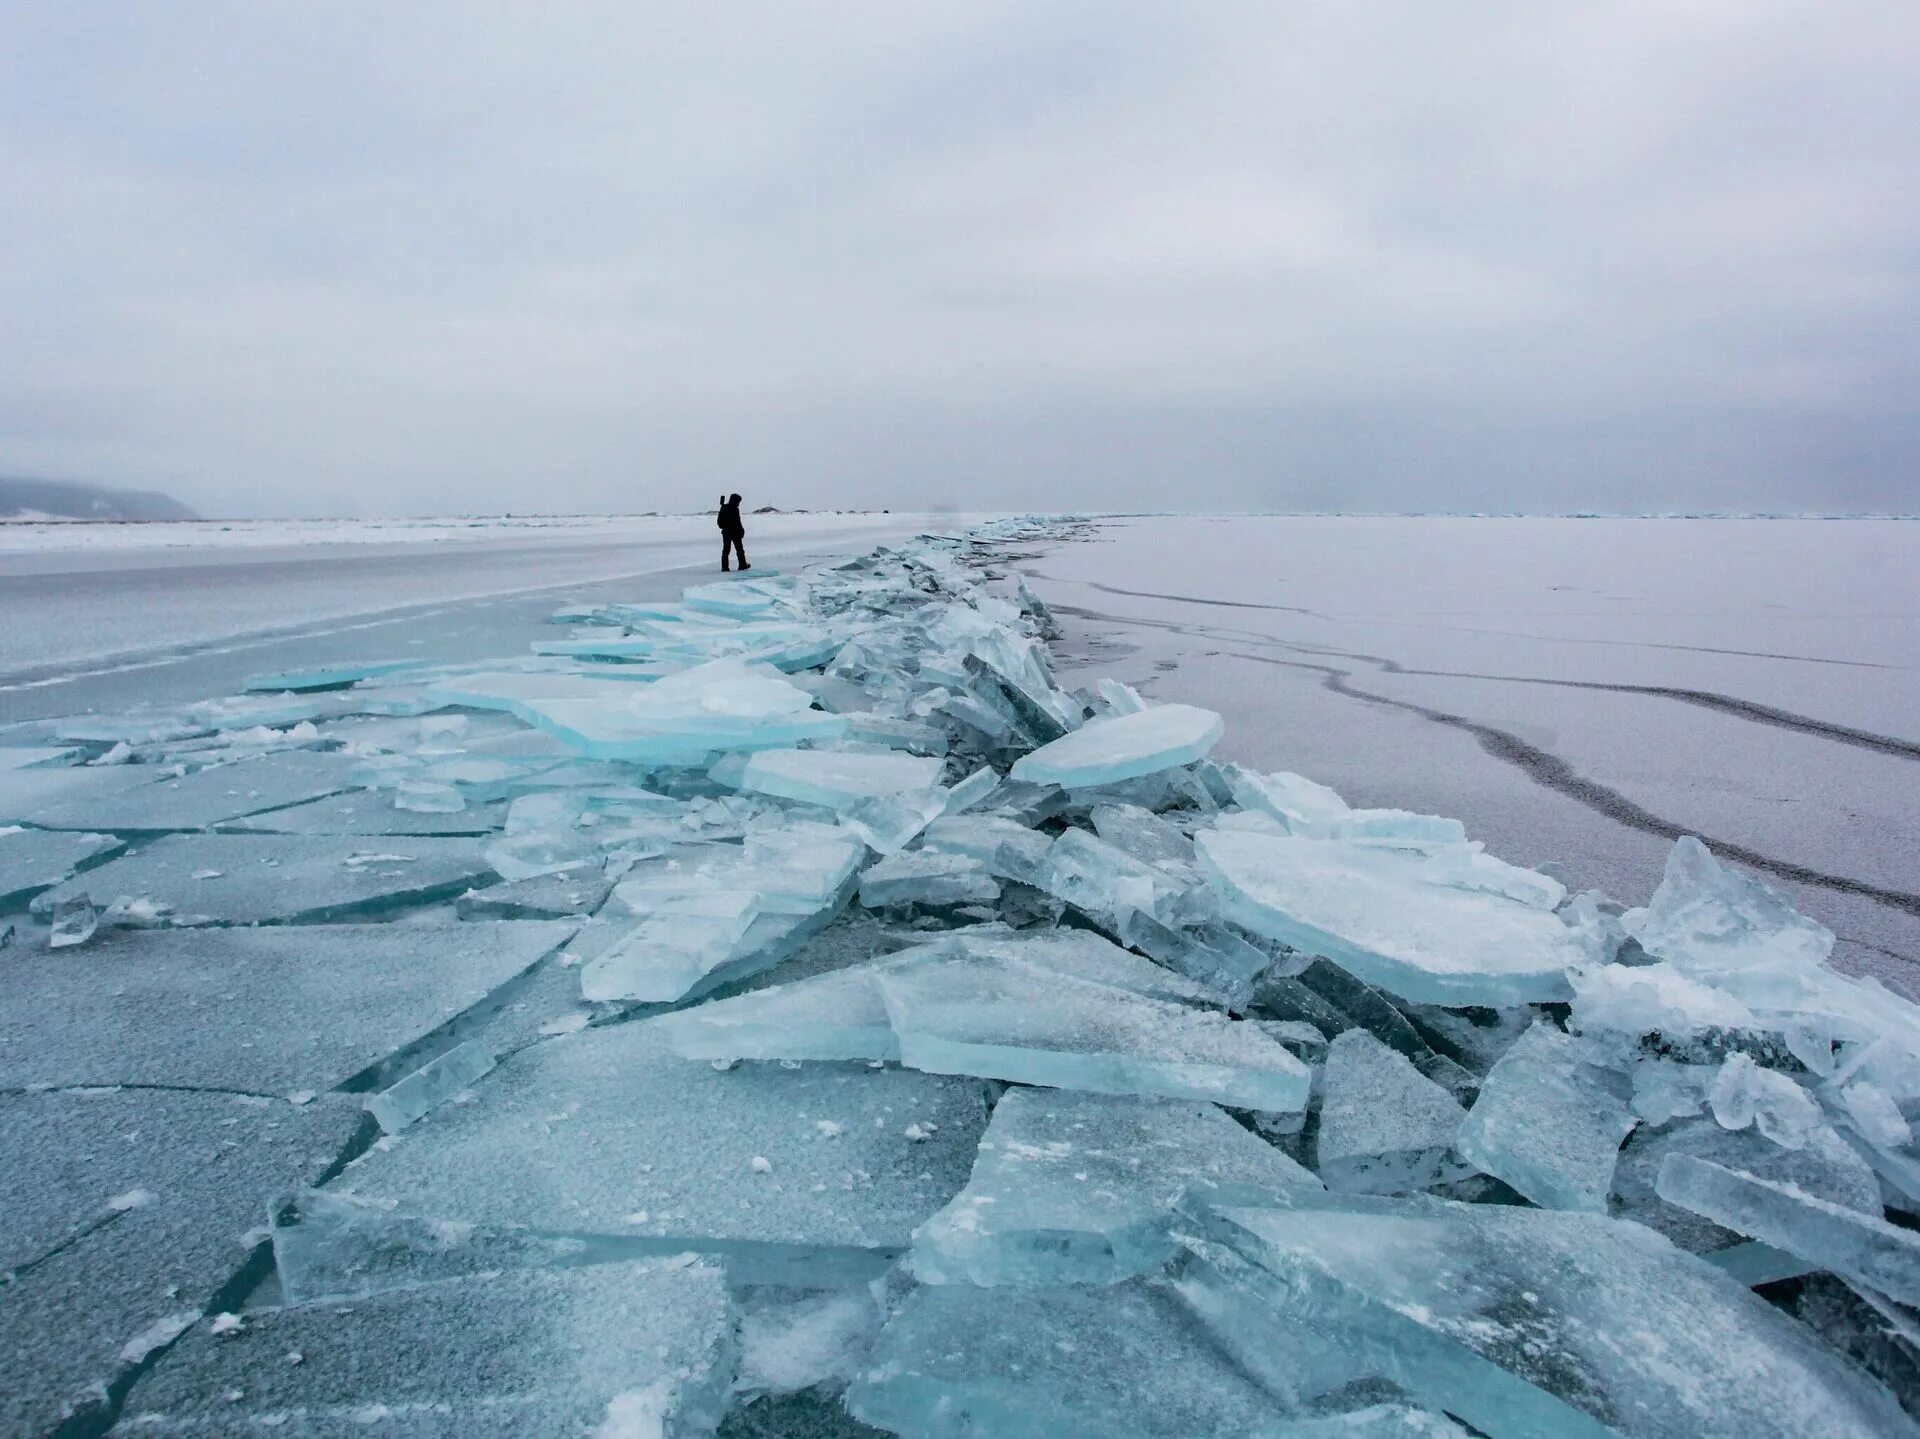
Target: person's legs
[(730, 547), (726, 552), (740, 549)]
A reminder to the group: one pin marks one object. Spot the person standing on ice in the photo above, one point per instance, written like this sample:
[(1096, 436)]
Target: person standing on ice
[(732, 533)]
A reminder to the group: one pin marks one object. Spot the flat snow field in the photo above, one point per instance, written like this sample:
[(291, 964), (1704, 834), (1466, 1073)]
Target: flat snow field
[(1574, 690), (94, 620)]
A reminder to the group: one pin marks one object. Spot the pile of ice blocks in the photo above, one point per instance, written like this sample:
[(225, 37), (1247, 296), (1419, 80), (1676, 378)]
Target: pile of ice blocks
[(798, 1012)]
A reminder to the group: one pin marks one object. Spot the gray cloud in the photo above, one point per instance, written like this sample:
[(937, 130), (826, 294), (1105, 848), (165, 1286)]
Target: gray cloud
[(458, 257)]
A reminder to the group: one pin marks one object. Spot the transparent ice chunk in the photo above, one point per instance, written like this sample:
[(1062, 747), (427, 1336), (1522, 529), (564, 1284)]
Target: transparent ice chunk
[(1076, 1188), (73, 920), (1385, 1128), (888, 823), (1302, 806), (1123, 1361), (834, 778), (1548, 1122), (1123, 746), (1005, 1019), (927, 878), (431, 1085), (1537, 1322), (1860, 1246), (1009, 850), (1742, 1093), (1373, 912), (1142, 834)]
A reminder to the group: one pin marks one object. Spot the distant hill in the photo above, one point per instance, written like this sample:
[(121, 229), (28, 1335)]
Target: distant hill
[(72, 500)]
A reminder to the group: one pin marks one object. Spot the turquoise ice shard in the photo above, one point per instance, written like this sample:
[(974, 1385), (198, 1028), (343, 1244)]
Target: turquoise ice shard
[(970, 791), (1008, 848), (1118, 747), (1122, 1361), (32, 860), (671, 951), (1375, 913), (1548, 1122), (1826, 1167), (431, 1085), (324, 677), (1073, 1188), (890, 822), (1376, 1421), (842, 1015), (1742, 1094), (1141, 833), (1005, 1019), (927, 878), (1385, 1128), (1858, 1246), (836, 778), (1105, 881), (644, 1347), (1302, 806), (1213, 953), (1530, 1323)]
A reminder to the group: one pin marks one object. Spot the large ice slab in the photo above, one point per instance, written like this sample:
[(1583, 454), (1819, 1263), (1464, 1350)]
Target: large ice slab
[(1076, 1188), (208, 796), (1374, 912), (1003, 1018), (1123, 1361), (125, 1214), (32, 860), (843, 1015), (639, 1348), (1529, 1322), (268, 1011), (1385, 1128), (837, 778), (27, 793), (1548, 1122), (827, 1165), (369, 812), (1118, 747), (280, 879)]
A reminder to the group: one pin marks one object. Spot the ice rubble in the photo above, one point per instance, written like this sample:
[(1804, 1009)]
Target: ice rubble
[(1067, 1081)]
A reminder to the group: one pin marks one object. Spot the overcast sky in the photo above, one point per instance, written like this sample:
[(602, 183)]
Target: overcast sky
[(435, 258)]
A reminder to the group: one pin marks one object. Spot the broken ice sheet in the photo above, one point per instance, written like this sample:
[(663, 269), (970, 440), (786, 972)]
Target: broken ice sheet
[(1861, 1247), (1076, 1188), (33, 860), (927, 878), (119, 1224), (1122, 1361), (208, 796), (842, 1015), (1375, 913), (1529, 1322), (637, 1142), (1120, 747), (1549, 1122), (636, 1348), (282, 879), (836, 779), (1385, 1128), (366, 812), (1002, 1018), (1826, 1167), (267, 1011)]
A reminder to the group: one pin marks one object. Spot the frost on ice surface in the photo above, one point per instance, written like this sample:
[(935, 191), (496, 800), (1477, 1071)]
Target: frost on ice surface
[(1123, 747), (1081, 1188), (793, 1006)]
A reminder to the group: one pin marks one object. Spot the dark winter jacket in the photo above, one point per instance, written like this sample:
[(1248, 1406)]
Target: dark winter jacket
[(729, 520)]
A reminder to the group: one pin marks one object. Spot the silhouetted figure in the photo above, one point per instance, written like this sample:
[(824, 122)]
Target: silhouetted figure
[(733, 534)]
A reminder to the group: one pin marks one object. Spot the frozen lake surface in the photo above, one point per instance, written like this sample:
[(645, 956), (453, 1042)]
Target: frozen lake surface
[(531, 984), (1575, 690)]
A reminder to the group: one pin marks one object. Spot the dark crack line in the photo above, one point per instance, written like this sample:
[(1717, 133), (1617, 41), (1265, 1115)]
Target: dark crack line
[(108, 1086), (1552, 772), (1751, 711), (1459, 629)]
